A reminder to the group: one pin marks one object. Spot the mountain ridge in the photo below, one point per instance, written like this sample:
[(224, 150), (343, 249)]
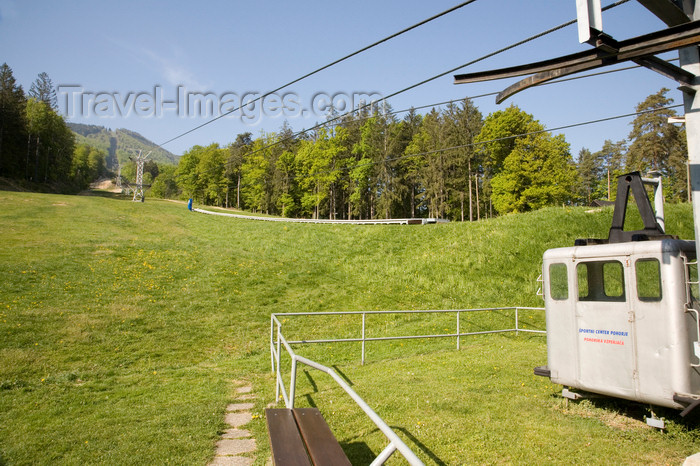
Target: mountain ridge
[(120, 144)]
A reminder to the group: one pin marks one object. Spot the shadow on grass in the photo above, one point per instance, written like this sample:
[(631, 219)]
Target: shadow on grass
[(342, 374), (361, 453), (358, 452), (106, 194), (311, 381), (635, 410), (310, 400)]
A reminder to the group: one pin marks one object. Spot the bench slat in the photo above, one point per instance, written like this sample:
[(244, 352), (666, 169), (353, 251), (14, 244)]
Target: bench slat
[(285, 441), (322, 445)]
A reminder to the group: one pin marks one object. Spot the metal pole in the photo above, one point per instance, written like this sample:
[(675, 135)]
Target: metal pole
[(384, 455), (279, 373), (293, 383), (458, 330), (363, 338), (516, 321), (272, 342), (690, 60)]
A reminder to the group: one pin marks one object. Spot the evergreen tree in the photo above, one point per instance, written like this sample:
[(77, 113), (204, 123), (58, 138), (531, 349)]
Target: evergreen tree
[(13, 136), (430, 164), (464, 123), (42, 89), (591, 174), (657, 145), (50, 144)]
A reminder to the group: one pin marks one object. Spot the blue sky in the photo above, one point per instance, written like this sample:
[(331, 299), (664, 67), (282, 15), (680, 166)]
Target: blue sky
[(123, 64)]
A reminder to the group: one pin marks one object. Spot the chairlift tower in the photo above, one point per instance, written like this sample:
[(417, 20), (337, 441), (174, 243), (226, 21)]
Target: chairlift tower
[(140, 160)]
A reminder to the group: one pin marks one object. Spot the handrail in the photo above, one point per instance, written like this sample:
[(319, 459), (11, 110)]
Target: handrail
[(395, 442)]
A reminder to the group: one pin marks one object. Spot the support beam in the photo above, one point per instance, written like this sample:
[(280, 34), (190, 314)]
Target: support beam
[(667, 11), (690, 61), (609, 52), (589, 17), (678, 74)]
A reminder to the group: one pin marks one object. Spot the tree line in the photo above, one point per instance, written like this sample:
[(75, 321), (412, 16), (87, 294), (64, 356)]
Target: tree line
[(450, 163), (36, 144)]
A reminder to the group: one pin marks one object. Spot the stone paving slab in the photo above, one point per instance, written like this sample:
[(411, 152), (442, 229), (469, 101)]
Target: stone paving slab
[(238, 419), (226, 446), (232, 461), (235, 441), (239, 407), (236, 433)]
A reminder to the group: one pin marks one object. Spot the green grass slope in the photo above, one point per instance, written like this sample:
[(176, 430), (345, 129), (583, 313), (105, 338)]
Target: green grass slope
[(123, 325)]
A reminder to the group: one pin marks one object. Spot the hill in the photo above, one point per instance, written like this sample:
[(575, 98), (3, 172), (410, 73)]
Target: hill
[(119, 143), (124, 324)]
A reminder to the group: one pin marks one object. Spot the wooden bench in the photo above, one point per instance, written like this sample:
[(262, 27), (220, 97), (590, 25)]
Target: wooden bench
[(300, 436)]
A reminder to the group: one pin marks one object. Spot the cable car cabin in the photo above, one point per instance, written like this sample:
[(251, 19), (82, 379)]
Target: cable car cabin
[(622, 314)]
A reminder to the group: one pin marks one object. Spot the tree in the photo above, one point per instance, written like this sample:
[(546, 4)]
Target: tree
[(498, 138), (13, 136), (464, 123), (406, 130), (591, 175), (538, 172), (165, 184), (255, 175), (382, 188), (611, 158), (426, 159), (318, 173), (500, 133), (42, 89), (50, 144), (237, 152), (87, 162), (211, 176), (657, 145), (186, 173)]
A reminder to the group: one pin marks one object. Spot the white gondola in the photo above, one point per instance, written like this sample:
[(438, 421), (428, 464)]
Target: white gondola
[(622, 313)]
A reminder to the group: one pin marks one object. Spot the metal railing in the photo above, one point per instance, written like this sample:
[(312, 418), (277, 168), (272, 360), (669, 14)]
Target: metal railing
[(395, 443), (363, 338)]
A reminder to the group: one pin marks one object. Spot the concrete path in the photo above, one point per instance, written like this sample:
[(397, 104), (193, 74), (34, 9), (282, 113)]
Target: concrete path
[(236, 447)]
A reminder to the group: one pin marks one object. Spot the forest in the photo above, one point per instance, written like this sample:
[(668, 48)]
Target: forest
[(36, 145), (451, 163)]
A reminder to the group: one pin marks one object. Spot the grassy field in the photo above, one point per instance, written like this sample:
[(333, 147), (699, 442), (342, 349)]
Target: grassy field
[(124, 324)]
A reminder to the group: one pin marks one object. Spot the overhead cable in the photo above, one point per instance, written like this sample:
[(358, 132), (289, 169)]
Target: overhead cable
[(363, 49), (425, 81)]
